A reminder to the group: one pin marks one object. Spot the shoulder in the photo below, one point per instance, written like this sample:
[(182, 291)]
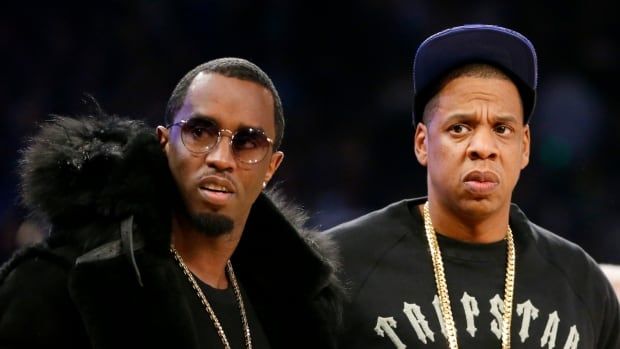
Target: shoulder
[(582, 273), (566, 255), (581, 270), (36, 261), (33, 275), (364, 241), (555, 249), (612, 272), (391, 221), (34, 298)]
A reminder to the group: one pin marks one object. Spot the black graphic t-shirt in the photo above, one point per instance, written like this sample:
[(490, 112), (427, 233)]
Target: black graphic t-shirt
[(561, 298)]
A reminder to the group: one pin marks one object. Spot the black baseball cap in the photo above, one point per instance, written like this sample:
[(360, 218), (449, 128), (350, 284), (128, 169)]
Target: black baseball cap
[(504, 48)]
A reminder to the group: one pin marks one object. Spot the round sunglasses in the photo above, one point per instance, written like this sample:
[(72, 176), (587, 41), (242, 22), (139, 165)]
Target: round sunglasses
[(249, 145)]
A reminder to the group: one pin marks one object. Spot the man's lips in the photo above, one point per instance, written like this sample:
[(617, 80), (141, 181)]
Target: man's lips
[(217, 183), (216, 190), (481, 182)]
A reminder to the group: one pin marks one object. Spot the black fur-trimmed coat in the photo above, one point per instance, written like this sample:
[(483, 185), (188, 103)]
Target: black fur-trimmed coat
[(104, 276)]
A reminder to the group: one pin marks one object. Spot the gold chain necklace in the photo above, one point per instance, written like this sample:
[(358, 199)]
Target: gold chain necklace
[(442, 288), (207, 305)]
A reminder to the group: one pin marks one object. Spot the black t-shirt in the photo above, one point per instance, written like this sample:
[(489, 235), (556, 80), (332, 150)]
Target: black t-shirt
[(224, 304), (561, 298)]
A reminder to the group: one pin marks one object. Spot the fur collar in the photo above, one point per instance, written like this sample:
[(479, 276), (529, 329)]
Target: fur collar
[(85, 174)]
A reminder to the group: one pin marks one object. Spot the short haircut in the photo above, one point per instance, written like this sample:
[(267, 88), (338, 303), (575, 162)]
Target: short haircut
[(478, 70), (233, 68)]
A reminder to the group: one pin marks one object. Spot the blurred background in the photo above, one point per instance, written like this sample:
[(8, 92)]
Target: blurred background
[(343, 69)]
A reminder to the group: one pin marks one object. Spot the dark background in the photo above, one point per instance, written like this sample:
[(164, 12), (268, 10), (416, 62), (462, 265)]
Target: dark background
[(343, 69)]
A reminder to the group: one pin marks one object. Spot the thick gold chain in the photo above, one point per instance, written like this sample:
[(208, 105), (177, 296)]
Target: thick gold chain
[(442, 288), (207, 305)]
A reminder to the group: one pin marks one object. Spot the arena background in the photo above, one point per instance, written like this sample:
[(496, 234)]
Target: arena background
[(343, 69)]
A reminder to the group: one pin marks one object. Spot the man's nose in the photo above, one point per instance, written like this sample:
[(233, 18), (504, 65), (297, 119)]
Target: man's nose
[(222, 155), (483, 145)]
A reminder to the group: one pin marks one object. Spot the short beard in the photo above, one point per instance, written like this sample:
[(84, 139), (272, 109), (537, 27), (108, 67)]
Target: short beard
[(212, 224)]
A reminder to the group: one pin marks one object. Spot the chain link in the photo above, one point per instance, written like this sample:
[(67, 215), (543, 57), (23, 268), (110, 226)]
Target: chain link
[(207, 305), (442, 287)]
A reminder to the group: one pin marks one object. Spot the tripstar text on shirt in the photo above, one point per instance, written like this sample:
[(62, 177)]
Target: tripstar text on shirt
[(527, 315)]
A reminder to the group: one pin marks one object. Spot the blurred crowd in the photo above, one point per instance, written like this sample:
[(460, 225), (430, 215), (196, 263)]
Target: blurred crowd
[(343, 70)]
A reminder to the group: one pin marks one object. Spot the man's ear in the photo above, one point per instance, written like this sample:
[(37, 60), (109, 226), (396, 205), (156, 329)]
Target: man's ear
[(163, 136), (420, 145), (525, 157), (274, 162)]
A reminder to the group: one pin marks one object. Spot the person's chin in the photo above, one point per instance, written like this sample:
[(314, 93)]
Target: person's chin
[(212, 224), (479, 205)]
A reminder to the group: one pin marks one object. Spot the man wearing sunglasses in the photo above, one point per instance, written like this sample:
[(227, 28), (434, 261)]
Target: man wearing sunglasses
[(169, 239)]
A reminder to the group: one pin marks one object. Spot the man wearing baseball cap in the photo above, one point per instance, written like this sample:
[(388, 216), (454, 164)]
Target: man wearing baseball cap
[(464, 267)]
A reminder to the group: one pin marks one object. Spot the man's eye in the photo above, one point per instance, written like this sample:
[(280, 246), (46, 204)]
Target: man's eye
[(502, 129), (245, 140), (197, 131), (458, 128), (247, 144)]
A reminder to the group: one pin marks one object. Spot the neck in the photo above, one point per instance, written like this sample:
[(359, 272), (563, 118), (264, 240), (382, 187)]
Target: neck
[(466, 227), (205, 256)]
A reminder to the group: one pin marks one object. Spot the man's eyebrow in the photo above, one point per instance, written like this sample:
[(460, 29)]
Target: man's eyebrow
[(507, 118), (460, 116), (200, 116), (212, 119)]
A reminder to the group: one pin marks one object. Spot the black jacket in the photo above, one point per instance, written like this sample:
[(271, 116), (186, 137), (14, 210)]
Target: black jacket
[(104, 278)]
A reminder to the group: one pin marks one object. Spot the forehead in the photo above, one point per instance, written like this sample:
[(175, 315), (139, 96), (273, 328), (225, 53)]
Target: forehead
[(229, 101), (470, 95)]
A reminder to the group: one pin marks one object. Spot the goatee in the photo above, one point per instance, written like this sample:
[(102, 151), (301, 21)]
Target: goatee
[(212, 224)]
